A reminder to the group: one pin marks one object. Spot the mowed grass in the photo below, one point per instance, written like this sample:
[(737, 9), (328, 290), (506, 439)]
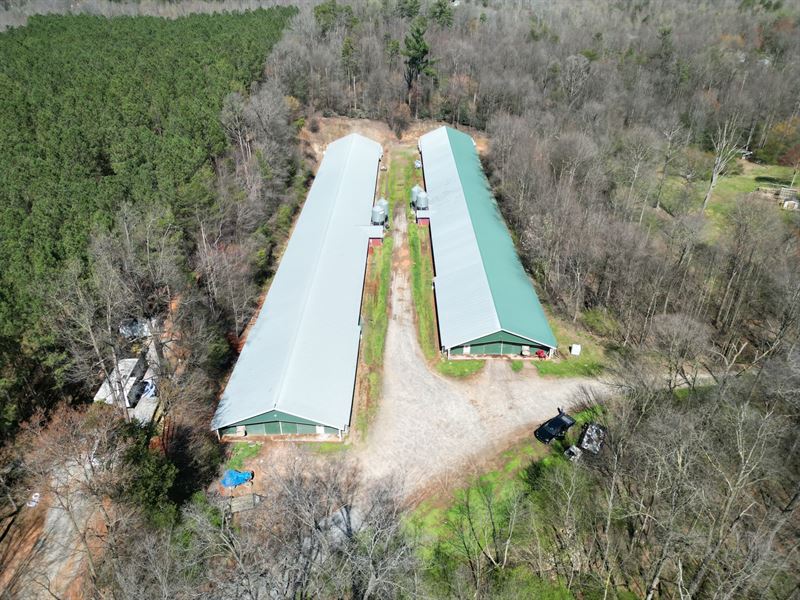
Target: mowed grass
[(730, 188), (459, 368), (326, 447), (241, 452), (422, 289), (376, 306), (591, 361)]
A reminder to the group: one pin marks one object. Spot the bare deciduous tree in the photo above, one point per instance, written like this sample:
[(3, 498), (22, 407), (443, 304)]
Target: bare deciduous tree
[(727, 146)]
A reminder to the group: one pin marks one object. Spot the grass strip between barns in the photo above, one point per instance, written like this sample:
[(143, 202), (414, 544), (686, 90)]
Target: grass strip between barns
[(419, 243)]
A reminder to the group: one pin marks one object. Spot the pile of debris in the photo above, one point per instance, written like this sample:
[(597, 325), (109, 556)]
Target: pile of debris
[(591, 440)]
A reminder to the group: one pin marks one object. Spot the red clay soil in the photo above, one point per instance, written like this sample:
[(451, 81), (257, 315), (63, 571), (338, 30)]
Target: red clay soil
[(331, 128), (17, 549)]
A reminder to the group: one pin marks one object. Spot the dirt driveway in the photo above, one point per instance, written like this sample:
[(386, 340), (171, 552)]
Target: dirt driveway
[(428, 427)]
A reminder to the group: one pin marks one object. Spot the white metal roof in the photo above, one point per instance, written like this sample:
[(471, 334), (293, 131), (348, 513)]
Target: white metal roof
[(125, 368), (465, 307), (300, 355), (481, 285)]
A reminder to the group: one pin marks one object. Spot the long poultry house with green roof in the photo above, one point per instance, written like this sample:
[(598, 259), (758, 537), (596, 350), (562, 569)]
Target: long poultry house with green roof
[(485, 301)]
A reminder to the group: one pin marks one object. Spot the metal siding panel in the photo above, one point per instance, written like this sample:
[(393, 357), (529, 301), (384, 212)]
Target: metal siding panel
[(289, 428), (494, 348), (507, 337), (316, 289), (272, 428), (256, 429)]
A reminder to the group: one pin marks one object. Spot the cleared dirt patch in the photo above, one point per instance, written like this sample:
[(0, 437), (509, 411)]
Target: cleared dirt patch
[(331, 128)]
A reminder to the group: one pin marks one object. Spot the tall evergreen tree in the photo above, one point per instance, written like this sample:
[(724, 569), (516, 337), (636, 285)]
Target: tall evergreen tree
[(441, 13), (417, 52), (408, 9)]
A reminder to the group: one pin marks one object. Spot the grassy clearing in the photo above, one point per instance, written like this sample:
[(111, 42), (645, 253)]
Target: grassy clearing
[(518, 471), (241, 452), (459, 368), (422, 288), (727, 192), (590, 363), (326, 447), (700, 392), (429, 518), (516, 365), (375, 321), (600, 322)]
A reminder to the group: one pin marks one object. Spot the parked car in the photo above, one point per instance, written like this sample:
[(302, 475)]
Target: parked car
[(141, 389), (554, 428), (134, 329)]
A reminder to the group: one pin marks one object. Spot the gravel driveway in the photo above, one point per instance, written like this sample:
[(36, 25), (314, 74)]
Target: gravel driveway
[(429, 427)]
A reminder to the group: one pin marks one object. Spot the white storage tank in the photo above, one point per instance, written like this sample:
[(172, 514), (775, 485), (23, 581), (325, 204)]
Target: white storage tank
[(378, 215), (414, 194), (422, 201)]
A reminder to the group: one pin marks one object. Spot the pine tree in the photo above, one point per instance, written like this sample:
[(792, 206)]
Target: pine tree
[(441, 13), (408, 9), (417, 52)]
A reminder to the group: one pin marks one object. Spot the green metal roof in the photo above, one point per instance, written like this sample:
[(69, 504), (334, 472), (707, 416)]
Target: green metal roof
[(516, 306)]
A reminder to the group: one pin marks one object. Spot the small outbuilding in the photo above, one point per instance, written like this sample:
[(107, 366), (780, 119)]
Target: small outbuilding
[(485, 302)]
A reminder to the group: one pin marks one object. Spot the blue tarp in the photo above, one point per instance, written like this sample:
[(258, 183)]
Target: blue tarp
[(232, 478)]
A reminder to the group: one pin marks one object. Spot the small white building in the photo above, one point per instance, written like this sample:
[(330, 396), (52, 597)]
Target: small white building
[(135, 379)]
